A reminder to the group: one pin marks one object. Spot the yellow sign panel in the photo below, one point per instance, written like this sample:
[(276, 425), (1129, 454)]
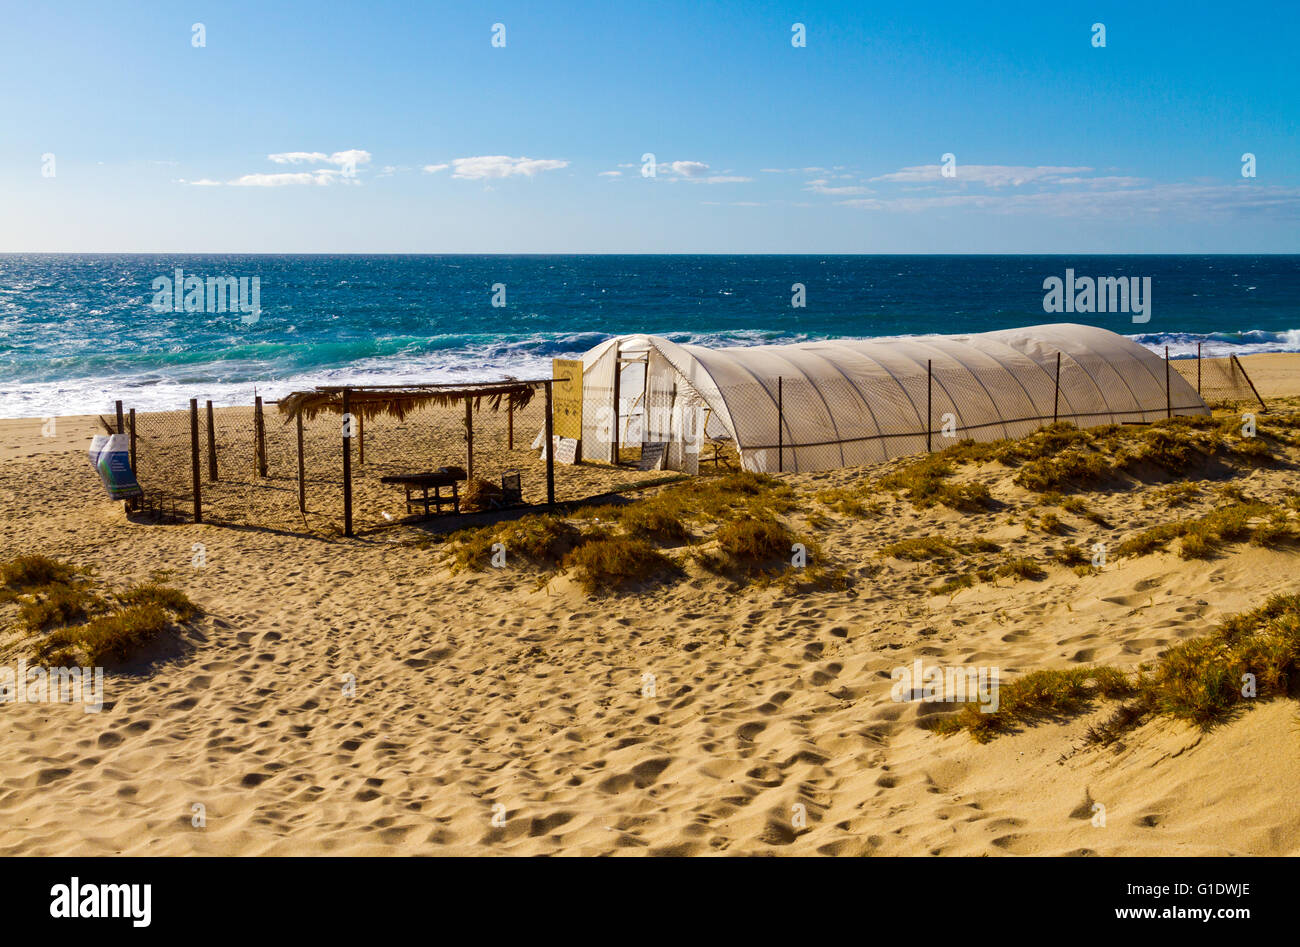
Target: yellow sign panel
[(567, 393)]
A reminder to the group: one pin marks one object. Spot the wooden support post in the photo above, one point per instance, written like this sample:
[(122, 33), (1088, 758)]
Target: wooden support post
[(469, 442), (929, 401), (302, 470), (212, 445), (259, 429), (550, 450), (613, 444), (121, 425), (1056, 399), (134, 469), (347, 462), (194, 460), (780, 425), (1169, 398)]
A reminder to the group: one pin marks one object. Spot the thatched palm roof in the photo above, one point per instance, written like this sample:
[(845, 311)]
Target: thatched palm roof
[(369, 402)]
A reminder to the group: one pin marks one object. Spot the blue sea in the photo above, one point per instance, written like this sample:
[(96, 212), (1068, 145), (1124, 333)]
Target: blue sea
[(79, 330)]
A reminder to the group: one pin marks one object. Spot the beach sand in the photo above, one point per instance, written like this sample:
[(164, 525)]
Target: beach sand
[(497, 713)]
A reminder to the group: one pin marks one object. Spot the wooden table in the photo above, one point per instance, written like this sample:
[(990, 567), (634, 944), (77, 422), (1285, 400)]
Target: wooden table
[(436, 479)]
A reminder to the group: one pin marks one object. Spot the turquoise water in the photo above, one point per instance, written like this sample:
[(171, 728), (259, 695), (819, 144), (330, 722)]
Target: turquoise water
[(77, 331)]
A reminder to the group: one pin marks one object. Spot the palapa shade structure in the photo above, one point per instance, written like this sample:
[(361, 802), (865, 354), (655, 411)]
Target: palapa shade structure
[(369, 401)]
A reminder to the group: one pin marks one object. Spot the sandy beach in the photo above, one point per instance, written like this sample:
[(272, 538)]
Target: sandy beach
[(361, 697)]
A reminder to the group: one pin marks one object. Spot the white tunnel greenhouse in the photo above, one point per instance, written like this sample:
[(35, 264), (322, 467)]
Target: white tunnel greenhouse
[(847, 402)]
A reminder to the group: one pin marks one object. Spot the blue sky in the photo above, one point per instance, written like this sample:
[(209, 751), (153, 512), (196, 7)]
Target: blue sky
[(386, 127)]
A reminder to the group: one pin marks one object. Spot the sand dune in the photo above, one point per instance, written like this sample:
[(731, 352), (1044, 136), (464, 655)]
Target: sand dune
[(496, 713)]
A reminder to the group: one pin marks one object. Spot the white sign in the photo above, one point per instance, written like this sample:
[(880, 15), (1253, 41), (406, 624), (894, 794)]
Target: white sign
[(566, 450)]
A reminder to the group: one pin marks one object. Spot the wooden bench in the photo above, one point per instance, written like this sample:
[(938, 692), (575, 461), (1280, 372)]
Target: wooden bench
[(437, 479)]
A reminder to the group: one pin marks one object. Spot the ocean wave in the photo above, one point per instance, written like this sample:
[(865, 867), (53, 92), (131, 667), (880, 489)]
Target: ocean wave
[(1221, 344), (148, 383)]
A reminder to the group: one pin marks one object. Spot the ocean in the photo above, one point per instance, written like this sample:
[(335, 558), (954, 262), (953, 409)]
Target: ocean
[(79, 330)]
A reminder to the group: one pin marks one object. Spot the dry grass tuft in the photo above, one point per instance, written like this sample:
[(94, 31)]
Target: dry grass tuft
[(84, 626), (1036, 696), (1204, 681), (611, 563)]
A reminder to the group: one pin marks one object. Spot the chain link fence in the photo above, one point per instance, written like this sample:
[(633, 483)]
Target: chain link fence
[(1222, 382), (264, 467), (792, 423), (258, 466)]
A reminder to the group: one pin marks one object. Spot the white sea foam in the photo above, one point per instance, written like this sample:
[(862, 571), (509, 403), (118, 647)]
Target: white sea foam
[(169, 387)]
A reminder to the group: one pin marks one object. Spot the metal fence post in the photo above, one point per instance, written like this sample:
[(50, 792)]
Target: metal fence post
[(347, 462), (780, 425), (1169, 400), (613, 442), (550, 449), (1242, 368), (135, 470), (194, 460), (929, 402), (1056, 398)]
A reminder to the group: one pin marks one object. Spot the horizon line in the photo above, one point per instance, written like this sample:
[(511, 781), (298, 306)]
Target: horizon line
[(882, 253)]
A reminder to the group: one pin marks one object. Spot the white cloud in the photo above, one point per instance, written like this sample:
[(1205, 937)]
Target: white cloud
[(697, 172), (488, 167), (822, 186), (611, 174), (298, 157), (1184, 201), (1104, 181), (352, 157), (344, 172), (686, 169), (434, 168), (990, 175), (320, 177)]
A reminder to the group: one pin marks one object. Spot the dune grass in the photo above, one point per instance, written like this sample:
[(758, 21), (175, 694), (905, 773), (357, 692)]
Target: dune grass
[(1202, 680), (1020, 567), (1036, 696), (114, 636), (610, 563), (35, 571), (925, 482), (920, 549), (619, 540), (751, 547), (72, 622), (57, 605), (540, 539), (850, 502), (1254, 655), (650, 521), (1202, 537)]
